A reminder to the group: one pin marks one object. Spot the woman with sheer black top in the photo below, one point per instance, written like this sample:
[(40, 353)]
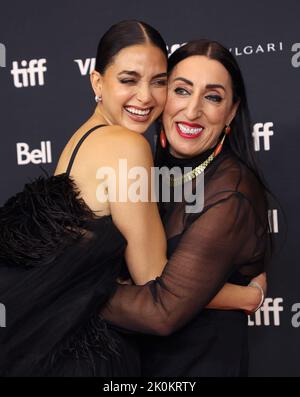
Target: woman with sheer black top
[(225, 241)]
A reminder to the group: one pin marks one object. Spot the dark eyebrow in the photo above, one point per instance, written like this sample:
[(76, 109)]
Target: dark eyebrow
[(157, 76), (136, 74), (208, 86), (212, 86), (188, 82), (130, 72)]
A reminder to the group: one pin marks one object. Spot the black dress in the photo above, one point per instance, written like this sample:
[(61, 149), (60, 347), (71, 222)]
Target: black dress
[(225, 241), (58, 266)]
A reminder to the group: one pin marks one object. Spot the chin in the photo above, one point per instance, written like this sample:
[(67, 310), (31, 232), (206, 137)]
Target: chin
[(141, 129), (135, 128), (181, 151)]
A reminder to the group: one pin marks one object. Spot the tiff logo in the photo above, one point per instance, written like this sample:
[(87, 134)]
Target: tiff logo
[(2, 316), (2, 55), (296, 57), (30, 73), (262, 130), (36, 156), (262, 316), (86, 66), (273, 221)]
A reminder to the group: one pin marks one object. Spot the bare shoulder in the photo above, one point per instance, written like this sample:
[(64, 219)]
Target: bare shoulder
[(106, 145), (116, 141), (124, 137)]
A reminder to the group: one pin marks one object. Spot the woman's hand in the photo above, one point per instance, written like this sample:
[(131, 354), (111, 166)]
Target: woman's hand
[(236, 297), (261, 279)]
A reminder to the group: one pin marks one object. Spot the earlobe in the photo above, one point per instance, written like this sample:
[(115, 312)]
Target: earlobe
[(233, 112), (96, 82)]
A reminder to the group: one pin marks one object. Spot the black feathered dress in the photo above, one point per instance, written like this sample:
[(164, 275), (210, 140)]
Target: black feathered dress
[(58, 266)]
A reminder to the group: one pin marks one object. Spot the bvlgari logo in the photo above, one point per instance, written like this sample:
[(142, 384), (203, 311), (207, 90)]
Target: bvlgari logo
[(246, 49), (86, 66), (256, 49)]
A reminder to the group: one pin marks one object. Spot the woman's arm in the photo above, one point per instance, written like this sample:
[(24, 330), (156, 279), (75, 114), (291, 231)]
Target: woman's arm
[(207, 255), (138, 221), (237, 297)]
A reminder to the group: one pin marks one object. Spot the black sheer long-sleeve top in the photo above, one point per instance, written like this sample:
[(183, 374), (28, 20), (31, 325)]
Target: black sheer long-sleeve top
[(225, 240)]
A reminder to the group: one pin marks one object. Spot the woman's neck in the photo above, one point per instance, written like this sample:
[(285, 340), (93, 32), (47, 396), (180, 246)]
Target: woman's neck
[(99, 117), (171, 160)]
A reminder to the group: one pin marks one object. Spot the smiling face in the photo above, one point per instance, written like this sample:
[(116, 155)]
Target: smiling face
[(134, 87), (199, 105)]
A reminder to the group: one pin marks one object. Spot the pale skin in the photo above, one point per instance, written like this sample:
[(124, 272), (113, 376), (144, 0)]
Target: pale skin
[(135, 80)]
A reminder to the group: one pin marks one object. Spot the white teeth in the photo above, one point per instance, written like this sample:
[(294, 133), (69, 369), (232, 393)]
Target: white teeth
[(138, 111), (188, 130)]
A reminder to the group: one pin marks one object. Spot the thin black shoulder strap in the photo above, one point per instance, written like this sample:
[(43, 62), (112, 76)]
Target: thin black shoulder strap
[(79, 144)]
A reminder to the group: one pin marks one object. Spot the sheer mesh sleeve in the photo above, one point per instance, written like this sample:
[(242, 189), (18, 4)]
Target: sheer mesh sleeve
[(223, 240)]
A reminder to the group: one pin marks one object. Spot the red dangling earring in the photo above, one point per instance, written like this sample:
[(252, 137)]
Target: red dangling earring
[(163, 139), (227, 129), (220, 145)]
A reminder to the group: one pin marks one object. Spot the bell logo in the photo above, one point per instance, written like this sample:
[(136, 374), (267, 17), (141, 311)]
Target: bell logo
[(36, 156), (262, 316)]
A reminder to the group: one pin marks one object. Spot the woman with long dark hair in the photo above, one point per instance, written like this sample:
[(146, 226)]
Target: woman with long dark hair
[(206, 128)]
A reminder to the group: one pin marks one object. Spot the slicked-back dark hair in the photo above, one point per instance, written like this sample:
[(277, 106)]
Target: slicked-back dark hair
[(125, 34)]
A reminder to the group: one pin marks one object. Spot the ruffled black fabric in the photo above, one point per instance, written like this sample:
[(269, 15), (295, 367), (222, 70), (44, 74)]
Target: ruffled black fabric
[(37, 223), (58, 266)]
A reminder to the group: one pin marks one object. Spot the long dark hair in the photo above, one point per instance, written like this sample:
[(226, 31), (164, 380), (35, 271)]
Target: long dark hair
[(125, 34)]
